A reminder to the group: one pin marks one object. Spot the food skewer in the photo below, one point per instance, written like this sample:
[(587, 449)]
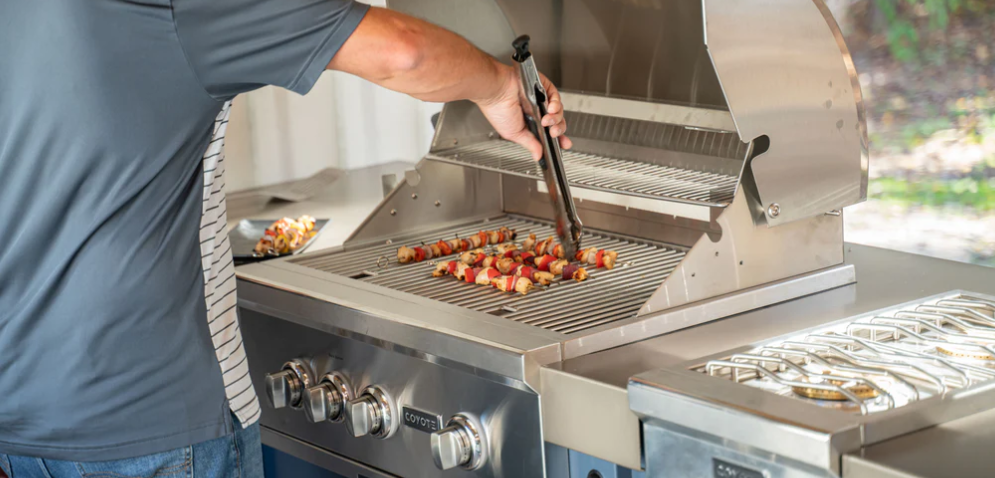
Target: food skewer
[(442, 248)]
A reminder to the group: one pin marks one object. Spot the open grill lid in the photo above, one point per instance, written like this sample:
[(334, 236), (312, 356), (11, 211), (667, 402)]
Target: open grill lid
[(777, 71)]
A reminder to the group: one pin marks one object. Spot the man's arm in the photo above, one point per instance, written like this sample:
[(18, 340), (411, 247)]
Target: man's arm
[(414, 57)]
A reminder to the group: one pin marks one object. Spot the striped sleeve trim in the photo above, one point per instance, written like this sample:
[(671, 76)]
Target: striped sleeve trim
[(220, 294)]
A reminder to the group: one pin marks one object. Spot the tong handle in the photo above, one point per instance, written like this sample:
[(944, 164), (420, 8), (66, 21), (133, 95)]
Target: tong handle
[(568, 225)]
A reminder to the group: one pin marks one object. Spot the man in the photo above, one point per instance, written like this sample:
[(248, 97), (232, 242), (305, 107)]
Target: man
[(120, 352)]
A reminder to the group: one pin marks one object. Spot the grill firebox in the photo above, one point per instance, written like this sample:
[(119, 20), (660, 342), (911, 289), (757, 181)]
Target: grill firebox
[(564, 306)]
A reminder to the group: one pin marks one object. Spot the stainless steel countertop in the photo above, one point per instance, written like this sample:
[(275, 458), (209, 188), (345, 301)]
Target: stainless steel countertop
[(885, 278)]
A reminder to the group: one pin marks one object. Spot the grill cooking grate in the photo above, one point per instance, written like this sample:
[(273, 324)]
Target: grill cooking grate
[(601, 173), (566, 307)]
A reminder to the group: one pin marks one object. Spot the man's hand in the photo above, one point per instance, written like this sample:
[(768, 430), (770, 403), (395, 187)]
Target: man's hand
[(430, 63), (505, 112)]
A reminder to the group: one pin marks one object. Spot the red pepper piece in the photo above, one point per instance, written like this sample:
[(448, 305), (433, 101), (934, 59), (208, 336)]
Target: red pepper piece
[(600, 259), (452, 267), (471, 274), (419, 254)]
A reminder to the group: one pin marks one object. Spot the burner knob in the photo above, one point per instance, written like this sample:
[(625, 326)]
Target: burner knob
[(286, 387), (460, 444), (326, 401), (373, 413)]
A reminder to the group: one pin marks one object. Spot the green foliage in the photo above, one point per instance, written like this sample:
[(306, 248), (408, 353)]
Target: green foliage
[(902, 18), (974, 192)]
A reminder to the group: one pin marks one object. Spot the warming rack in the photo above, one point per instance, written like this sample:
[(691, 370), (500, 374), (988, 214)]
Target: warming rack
[(592, 171), (565, 306)]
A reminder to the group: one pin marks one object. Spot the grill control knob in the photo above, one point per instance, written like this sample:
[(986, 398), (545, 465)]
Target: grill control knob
[(373, 413), (326, 401), (285, 388), (460, 444)]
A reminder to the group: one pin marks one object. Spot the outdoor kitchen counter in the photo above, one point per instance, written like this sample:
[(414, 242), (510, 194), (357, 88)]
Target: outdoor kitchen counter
[(345, 203), (885, 278)]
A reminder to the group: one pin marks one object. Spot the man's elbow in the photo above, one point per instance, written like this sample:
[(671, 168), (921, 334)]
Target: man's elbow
[(405, 54)]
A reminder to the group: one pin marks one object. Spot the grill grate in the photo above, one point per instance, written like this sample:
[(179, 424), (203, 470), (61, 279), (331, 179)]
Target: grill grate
[(567, 307), (602, 173)]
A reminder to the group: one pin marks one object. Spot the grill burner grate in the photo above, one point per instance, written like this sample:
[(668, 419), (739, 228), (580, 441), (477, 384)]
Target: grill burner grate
[(601, 173), (878, 362), (564, 306)]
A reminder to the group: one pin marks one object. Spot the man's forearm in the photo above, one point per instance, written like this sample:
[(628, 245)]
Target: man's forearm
[(412, 56)]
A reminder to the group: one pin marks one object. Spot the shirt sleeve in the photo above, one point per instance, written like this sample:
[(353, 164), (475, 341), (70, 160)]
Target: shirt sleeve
[(235, 46)]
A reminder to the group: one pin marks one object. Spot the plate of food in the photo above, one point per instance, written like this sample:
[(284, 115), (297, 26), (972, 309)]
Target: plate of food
[(260, 239)]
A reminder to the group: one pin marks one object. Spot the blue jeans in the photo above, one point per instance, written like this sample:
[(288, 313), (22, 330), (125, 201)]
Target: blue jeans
[(238, 455)]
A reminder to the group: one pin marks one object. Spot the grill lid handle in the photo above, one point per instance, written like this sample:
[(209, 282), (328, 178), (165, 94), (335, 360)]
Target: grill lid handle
[(568, 225)]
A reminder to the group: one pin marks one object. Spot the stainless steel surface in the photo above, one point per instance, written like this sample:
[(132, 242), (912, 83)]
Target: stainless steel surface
[(690, 117), (568, 225), (507, 409), (600, 379), (748, 255), (779, 67), (601, 173), (812, 112), (643, 266), (328, 460), (461, 444), (961, 448), (790, 430), (326, 401)]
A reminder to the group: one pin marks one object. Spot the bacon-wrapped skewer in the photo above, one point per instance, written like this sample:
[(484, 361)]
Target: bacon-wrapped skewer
[(513, 284), (544, 278), (598, 258), (442, 248), (575, 272)]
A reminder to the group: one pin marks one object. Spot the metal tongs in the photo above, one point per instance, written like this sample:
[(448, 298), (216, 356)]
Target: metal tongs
[(568, 225)]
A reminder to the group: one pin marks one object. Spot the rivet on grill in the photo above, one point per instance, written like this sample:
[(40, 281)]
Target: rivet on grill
[(414, 196), (393, 212), (774, 210), (437, 203)]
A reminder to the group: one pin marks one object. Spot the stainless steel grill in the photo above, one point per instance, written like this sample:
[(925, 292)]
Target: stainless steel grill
[(602, 173), (566, 307), (876, 363)]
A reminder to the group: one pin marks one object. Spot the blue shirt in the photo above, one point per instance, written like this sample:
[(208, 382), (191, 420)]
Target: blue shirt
[(119, 335)]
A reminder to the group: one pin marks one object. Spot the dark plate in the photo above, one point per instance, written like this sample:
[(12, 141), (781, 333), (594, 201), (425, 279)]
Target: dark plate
[(248, 232)]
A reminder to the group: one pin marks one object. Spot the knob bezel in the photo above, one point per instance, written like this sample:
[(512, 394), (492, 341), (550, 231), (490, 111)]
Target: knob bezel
[(385, 419), (478, 443), (303, 372), (336, 392)]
